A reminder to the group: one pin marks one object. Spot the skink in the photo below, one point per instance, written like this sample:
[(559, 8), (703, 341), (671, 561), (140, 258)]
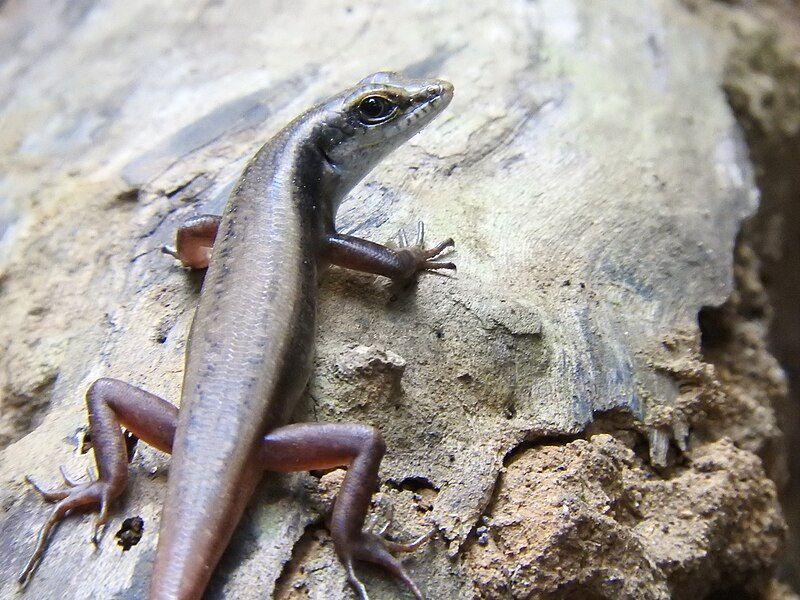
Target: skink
[(250, 347)]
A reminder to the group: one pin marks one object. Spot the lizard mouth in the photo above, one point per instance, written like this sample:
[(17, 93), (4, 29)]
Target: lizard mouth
[(436, 91), (434, 98), (431, 103)]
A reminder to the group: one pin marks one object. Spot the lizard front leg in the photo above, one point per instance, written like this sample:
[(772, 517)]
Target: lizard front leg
[(110, 403), (310, 446), (194, 241), (399, 264)]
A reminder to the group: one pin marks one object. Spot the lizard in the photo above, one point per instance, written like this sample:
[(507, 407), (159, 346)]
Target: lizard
[(250, 346)]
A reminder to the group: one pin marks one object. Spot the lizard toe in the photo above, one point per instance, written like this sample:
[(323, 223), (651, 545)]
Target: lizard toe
[(67, 499), (373, 548)]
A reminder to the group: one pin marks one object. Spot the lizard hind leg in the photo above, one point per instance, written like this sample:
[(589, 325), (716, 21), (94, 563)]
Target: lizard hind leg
[(111, 403), (309, 446), (67, 499)]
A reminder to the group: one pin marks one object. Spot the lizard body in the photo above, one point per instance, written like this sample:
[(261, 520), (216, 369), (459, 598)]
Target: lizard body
[(250, 347)]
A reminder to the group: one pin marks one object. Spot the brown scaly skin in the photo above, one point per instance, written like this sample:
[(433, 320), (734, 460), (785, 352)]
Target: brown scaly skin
[(251, 343)]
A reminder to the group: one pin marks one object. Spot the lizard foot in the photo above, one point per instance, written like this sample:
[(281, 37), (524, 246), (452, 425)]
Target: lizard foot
[(73, 495), (420, 258), (372, 547)]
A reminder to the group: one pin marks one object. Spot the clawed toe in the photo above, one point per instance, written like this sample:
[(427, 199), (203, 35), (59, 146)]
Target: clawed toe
[(433, 264), (59, 494), (354, 581), (418, 258), (402, 238), (409, 547), (420, 234), (439, 248), (69, 482), (372, 523), (381, 531), (98, 525), (73, 495), (49, 495), (373, 548), (419, 242)]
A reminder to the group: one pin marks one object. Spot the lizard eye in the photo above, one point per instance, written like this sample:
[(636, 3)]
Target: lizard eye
[(376, 109)]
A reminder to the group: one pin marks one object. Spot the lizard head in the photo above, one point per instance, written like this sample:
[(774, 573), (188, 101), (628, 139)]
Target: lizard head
[(365, 123)]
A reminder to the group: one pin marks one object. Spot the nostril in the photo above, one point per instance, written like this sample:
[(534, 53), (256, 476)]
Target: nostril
[(433, 90)]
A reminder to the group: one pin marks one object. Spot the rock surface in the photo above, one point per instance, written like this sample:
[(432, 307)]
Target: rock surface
[(589, 519), (593, 176)]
